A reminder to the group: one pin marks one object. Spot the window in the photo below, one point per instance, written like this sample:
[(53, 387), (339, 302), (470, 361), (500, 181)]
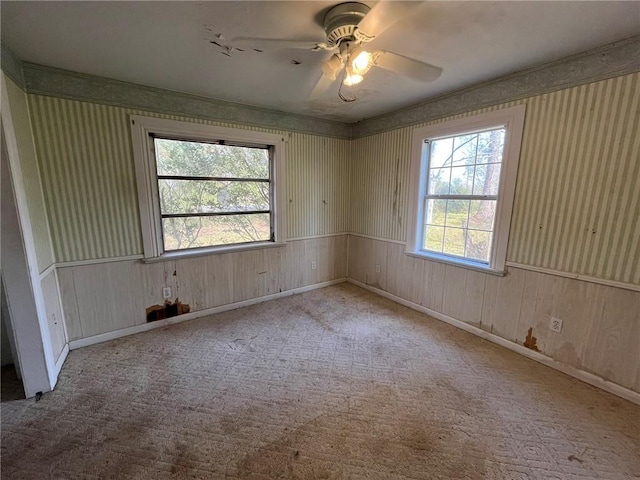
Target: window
[(465, 173), (206, 189)]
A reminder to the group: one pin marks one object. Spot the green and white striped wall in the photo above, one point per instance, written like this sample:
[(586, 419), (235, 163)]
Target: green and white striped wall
[(88, 177), (577, 205)]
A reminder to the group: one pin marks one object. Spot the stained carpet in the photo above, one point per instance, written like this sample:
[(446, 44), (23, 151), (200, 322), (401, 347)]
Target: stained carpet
[(331, 384)]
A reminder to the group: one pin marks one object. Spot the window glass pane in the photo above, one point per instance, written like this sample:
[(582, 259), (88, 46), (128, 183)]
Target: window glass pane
[(486, 179), (454, 240), (441, 153), (192, 232), (439, 181), (435, 211), (195, 196), (433, 238), (464, 149), (461, 180), (196, 159), (457, 213), (478, 245), (491, 146), (482, 214)]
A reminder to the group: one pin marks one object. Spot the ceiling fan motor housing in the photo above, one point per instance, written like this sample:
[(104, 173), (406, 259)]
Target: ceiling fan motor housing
[(341, 21)]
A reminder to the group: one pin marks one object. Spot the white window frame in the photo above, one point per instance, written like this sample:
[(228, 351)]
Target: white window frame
[(512, 119), (143, 129)]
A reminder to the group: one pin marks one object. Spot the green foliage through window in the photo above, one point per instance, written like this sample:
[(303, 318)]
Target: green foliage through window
[(212, 194), (462, 189)]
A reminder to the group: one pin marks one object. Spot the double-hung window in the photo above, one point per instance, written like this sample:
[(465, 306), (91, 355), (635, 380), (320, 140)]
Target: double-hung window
[(462, 198), (205, 189)]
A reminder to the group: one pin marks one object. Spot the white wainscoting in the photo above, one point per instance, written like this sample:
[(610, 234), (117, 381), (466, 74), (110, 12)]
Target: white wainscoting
[(53, 309), (601, 324), (99, 298)]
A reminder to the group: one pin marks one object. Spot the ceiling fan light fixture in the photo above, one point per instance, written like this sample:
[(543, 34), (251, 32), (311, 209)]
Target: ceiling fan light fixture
[(361, 63), (352, 79)]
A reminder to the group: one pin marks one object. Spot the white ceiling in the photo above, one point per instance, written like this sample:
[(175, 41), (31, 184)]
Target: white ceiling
[(167, 45)]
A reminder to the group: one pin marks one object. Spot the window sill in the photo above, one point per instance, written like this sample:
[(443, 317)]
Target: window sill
[(201, 252), (457, 263)]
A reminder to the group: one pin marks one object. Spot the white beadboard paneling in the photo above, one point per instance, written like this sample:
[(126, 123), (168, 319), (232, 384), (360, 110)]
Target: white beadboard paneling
[(148, 280), (473, 297), (590, 378), (69, 303), (364, 255), (453, 295), (106, 297), (55, 318), (509, 300), (105, 337), (529, 316), (104, 293), (400, 269), (435, 276), (489, 303), (601, 323), (614, 340), (419, 280)]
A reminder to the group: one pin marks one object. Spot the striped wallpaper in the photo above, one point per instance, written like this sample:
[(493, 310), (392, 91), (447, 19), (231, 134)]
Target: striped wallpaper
[(88, 176), (577, 205), (577, 196), (318, 185)]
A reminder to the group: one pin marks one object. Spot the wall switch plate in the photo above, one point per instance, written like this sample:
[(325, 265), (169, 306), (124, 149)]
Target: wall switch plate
[(166, 292), (314, 265), (555, 324), (377, 268)]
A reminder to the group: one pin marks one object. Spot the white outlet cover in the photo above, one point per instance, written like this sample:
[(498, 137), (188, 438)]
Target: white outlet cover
[(555, 324), (166, 292), (313, 265), (378, 268)]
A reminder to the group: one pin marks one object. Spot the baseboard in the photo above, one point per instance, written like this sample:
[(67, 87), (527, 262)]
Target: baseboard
[(586, 377), (105, 337)]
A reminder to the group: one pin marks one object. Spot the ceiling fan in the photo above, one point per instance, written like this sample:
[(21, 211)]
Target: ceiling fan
[(350, 30)]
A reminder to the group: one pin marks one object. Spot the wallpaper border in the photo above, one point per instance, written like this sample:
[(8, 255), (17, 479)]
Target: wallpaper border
[(55, 82), (612, 60), (11, 66)]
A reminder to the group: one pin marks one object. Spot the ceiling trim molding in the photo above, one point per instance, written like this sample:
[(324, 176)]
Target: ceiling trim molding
[(49, 81), (11, 66), (612, 60)]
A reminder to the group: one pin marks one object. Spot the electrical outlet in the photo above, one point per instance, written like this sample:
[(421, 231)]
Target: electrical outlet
[(377, 268), (314, 265), (166, 292), (555, 324)]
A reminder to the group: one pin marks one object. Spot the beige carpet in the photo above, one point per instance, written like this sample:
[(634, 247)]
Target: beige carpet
[(335, 383)]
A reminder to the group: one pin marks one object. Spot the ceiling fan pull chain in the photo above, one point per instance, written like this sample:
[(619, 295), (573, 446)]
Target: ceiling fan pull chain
[(344, 75)]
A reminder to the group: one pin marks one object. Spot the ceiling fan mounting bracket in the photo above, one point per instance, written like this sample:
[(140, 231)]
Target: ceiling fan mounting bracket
[(341, 22)]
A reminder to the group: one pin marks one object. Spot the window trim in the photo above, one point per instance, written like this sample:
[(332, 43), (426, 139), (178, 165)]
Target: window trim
[(143, 130), (513, 119)]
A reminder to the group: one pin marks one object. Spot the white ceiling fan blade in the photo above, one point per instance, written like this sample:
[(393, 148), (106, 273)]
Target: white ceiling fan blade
[(322, 85), (272, 43), (409, 67), (383, 15)]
